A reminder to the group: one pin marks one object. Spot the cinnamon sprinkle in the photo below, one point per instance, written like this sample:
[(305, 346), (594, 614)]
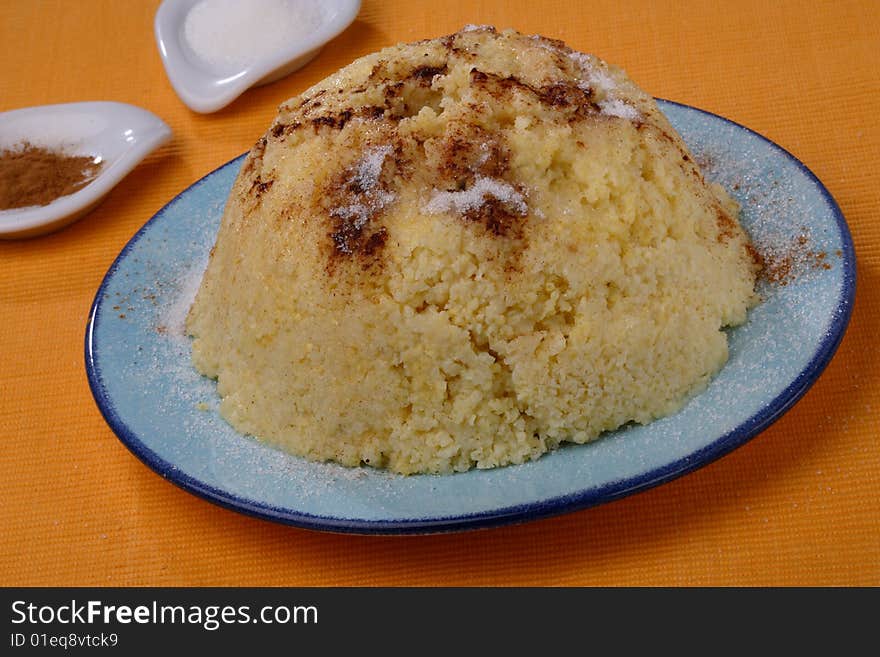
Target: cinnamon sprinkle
[(781, 266)]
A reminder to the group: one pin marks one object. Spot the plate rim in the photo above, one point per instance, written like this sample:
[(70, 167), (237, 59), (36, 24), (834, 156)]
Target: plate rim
[(755, 424)]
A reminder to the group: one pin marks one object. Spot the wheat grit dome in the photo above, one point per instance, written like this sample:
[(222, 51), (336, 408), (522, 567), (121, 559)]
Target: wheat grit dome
[(463, 252)]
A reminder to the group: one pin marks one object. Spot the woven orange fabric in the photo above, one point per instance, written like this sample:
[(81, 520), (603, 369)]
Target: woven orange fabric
[(798, 505)]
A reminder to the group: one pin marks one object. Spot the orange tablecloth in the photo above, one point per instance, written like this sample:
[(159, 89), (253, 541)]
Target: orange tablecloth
[(798, 505)]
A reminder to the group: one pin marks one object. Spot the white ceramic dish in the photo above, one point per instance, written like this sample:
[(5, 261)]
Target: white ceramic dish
[(121, 135), (205, 88)]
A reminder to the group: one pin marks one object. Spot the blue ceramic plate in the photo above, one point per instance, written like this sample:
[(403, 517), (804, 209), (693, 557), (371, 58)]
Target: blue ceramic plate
[(137, 359)]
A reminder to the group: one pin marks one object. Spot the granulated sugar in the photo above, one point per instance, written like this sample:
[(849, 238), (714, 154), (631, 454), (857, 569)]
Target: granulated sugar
[(364, 184), (468, 200), (173, 318), (593, 76), (598, 80), (618, 108), (231, 35), (786, 248)]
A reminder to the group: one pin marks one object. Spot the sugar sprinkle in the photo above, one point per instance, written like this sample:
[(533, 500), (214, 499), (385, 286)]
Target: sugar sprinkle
[(371, 198), (616, 107), (468, 200), (597, 79), (173, 321)]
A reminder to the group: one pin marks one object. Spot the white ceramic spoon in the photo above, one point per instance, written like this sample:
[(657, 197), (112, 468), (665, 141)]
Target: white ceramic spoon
[(121, 135), (206, 88)]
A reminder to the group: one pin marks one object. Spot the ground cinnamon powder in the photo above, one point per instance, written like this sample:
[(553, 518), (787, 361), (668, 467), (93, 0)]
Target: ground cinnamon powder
[(34, 175)]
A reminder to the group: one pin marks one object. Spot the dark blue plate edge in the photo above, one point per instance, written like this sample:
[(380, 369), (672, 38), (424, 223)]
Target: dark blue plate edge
[(507, 515)]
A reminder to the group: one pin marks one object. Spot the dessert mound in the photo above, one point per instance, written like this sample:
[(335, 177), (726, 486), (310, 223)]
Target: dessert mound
[(462, 252)]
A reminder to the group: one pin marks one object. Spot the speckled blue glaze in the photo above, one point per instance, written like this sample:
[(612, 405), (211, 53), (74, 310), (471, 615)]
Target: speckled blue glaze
[(166, 413)]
